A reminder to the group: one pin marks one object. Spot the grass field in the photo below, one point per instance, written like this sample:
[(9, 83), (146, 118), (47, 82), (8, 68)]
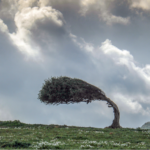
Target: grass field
[(18, 135)]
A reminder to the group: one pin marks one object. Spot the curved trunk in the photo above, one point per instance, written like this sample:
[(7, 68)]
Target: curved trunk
[(115, 123)]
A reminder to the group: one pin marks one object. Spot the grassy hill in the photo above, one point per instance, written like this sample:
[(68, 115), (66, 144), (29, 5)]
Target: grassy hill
[(18, 135)]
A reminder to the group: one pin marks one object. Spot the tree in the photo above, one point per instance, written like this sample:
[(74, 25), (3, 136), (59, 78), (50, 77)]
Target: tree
[(65, 90)]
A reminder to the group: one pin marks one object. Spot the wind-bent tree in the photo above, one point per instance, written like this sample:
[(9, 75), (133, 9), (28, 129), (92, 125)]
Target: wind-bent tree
[(65, 90)]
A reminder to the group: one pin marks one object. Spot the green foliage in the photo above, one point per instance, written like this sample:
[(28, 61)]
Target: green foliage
[(138, 129), (54, 89), (65, 90), (14, 123), (15, 144)]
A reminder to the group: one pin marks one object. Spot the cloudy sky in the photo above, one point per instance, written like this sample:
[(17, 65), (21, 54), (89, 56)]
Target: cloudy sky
[(105, 43)]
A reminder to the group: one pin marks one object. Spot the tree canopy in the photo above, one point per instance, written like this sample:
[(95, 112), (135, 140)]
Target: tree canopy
[(65, 90)]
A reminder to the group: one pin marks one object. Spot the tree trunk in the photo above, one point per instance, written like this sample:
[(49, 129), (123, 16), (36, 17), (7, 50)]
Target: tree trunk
[(115, 123)]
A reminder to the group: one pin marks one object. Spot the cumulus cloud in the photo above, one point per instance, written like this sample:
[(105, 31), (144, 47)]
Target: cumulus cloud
[(28, 17), (34, 25)]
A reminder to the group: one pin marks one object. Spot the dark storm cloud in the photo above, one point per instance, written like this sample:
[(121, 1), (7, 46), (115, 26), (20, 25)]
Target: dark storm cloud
[(7, 13), (121, 8)]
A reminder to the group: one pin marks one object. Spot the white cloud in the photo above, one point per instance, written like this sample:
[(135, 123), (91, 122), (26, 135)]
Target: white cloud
[(26, 3), (83, 44), (111, 19), (3, 26), (141, 76), (125, 101), (123, 57), (85, 6), (87, 2), (27, 20), (28, 50), (142, 4), (27, 17), (43, 3), (119, 56)]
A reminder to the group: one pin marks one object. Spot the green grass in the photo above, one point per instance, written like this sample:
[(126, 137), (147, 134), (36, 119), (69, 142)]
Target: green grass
[(17, 135)]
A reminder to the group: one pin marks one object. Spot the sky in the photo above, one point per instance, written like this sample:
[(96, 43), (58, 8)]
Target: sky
[(105, 43)]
